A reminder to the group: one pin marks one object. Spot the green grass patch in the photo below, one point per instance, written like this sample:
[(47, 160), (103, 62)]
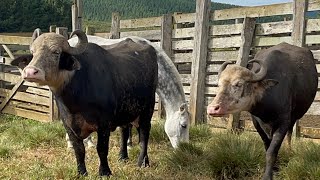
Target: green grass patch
[(304, 163), (34, 150)]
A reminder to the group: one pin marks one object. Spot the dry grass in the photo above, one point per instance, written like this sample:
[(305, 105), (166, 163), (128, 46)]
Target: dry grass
[(33, 150)]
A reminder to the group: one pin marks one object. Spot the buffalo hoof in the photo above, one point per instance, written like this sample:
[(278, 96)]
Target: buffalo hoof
[(123, 158), (82, 173), (105, 172), (144, 162)]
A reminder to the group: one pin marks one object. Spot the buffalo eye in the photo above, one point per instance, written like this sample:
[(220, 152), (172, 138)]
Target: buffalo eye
[(56, 52), (183, 125)]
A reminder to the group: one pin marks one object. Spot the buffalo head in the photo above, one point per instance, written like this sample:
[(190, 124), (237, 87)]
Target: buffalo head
[(51, 58), (239, 88)]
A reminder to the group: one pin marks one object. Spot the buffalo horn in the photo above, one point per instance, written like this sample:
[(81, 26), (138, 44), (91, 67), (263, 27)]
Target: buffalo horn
[(36, 33), (261, 74), (81, 45), (223, 66)]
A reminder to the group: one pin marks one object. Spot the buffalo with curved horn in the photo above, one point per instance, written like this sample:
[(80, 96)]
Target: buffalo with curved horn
[(277, 95)]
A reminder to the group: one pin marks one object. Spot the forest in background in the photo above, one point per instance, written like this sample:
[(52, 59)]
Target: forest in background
[(26, 15)]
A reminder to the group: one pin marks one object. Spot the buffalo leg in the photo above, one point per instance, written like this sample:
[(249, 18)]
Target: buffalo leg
[(272, 152), (144, 132), (266, 140), (130, 135), (144, 138), (79, 151), (123, 146), (102, 149)]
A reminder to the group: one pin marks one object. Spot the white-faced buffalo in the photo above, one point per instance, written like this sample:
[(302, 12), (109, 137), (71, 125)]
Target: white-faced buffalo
[(96, 89), (277, 91)]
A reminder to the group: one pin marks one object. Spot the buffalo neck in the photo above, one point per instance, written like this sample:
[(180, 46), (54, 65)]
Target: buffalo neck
[(169, 88)]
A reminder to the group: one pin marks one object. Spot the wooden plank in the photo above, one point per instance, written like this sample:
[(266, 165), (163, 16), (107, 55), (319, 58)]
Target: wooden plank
[(230, 29), (74, 16), (310, 132), (285, 27), (225, 42), (184, 17), (11, 94), (314, 109), (21, 96), (102, 34), (313, 25), (166, 45), (260, 11), (51, 106), (256, 11), (270, 41), (299, 22), (199, 62), (274, 28), (183, 33), (223, 55), (185, 78), (37, 91), (115, 26), (316, 54), (212, 79), (63, 31), (300, 8), (26, 113), (142, 22), (8, 51), (15, 78), (147, 34), (247, 34), (183, 45), (15, 40), (156, 44), (246, 41), (313, 39), (80, 13), (28, 106), (183, 57)]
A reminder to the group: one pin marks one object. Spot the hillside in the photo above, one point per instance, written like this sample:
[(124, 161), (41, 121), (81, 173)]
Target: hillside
[(101, 9), (26, 15)]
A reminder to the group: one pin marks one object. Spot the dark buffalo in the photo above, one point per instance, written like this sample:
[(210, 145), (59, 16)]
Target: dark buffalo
[(96, 89), (277, 95)]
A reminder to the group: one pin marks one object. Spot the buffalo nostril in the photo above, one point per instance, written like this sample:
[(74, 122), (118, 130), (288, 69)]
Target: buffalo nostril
[(35, 72), (216, 108)]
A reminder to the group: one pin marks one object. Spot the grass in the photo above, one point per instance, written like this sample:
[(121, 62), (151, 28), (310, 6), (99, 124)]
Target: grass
[(34, 150)]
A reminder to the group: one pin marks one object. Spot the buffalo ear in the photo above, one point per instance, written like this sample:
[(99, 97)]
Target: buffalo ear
[(22, 61), (68, 62)]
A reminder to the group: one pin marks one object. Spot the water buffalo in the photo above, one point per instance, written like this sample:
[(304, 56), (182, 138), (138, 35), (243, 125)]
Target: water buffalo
[(169, 89), (277, 92), (96, 89)]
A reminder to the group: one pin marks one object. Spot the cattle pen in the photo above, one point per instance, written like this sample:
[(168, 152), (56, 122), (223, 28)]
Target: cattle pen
[(198, 44)]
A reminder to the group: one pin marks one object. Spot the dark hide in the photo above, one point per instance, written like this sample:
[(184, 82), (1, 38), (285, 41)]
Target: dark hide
[(282, 105), (112, 88)]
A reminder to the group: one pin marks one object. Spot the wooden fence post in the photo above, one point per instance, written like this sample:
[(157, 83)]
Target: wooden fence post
[(80, 12), (52, 28), (63, 31), (247, 35), (115, 26), (198, 69), (90, 30), (300, 7), (166, 45)]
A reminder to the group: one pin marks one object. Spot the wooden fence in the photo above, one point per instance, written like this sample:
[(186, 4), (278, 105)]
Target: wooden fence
[(198, 44)]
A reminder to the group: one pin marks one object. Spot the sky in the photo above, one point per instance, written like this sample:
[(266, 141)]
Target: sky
[(252, 2)]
